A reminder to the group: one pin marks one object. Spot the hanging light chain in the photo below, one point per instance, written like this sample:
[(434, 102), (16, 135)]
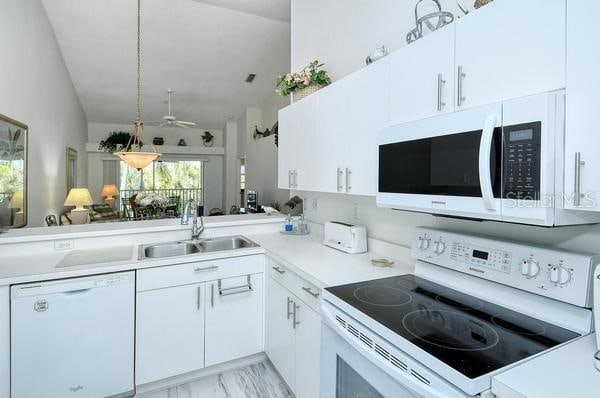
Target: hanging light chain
[(139, 62)]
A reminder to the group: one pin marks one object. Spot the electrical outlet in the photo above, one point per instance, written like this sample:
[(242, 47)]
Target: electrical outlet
[(356, 212), (64, 244)]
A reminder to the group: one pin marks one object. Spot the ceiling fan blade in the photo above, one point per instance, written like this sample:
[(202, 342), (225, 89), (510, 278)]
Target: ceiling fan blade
[(182, 126), (192, 124)]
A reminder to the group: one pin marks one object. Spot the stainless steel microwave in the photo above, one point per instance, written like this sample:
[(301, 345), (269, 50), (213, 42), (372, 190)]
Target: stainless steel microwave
[(502, 162)]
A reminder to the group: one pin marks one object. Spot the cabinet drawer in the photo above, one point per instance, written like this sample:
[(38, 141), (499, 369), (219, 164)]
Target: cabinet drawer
[(183, 274), (282, 274), (309, 293)]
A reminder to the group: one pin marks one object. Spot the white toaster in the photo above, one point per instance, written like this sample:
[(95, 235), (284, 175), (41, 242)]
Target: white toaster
[(345, 237)]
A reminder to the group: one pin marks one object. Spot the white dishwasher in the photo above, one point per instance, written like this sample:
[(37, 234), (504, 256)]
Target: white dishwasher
[(73, 337)]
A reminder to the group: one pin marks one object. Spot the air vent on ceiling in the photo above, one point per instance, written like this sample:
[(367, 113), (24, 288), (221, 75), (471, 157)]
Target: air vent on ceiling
[(250, 78)]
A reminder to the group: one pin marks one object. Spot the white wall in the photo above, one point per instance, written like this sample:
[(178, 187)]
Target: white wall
[(231, 185), (37, 90), (213, 168), (343, 33), (261, 155)]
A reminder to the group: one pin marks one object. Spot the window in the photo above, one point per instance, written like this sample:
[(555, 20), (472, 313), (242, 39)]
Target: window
[(182, 174)]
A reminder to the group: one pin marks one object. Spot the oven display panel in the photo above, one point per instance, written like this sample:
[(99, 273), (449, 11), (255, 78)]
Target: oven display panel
[(497, 260)]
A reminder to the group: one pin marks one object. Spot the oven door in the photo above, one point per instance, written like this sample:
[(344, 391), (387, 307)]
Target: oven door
[(449, 165), (350, 369)]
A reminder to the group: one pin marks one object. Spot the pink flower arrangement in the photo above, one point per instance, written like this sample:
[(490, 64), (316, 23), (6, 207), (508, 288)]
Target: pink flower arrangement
[(310, 75)]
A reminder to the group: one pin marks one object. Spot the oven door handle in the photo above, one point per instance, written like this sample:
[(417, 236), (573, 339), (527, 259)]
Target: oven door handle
[(407, 380), (485, 153)]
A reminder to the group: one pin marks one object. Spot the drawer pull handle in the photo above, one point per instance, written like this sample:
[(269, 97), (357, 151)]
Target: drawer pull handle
[(229, 291), (295, 321), (213, 267), (279, 270), (309, 291)]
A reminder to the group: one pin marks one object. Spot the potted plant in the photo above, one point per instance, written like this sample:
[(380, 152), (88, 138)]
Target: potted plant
[(117, 140), (303, 83)]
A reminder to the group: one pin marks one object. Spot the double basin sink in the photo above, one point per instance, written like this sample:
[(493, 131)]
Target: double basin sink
[(188, 247)]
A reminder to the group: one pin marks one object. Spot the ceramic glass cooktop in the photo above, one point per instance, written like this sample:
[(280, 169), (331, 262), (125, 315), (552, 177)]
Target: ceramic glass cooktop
[(473, 336)]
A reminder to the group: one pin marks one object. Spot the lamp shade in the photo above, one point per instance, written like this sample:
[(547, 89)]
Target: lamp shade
[(16, 202), (109, 191), (79, 197), (138, 160)]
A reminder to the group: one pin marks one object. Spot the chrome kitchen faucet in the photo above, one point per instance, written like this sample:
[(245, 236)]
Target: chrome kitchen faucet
[(196, 230)]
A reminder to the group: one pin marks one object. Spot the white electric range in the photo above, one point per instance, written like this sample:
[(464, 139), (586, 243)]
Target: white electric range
[(474, 308)]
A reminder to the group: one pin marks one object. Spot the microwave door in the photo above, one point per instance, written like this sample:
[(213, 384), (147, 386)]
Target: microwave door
[(434, 166)]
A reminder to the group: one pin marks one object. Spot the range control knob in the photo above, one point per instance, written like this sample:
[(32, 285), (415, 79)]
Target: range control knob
[(439, 247), (530, 268), (424, 243), (559, 275)]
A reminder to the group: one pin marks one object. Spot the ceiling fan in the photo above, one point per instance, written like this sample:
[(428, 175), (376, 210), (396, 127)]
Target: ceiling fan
[(171, 121)]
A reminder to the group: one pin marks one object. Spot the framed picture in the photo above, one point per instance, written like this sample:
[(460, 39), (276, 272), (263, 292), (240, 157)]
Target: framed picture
[(13, 173), (71, 169)]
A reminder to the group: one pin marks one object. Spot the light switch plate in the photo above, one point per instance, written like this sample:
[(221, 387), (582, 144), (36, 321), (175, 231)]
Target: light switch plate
[(66, 244)]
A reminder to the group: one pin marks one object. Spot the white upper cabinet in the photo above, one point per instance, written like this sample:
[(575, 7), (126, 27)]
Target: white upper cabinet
[(509, 49), (350, 112), (422, 78), (234, 318), (297, 135), (582, 138)]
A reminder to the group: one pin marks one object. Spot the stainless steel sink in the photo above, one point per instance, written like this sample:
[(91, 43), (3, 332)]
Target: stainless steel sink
[(226, 243), (185, 248)]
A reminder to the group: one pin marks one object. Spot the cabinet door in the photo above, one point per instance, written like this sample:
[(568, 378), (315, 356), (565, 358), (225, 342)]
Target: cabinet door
[(368, 112), (583, 87), (297, 132), (351, 111), (510, 49), (234, 318), (169, 332), (308, 352), (280, 345), (422, 78)]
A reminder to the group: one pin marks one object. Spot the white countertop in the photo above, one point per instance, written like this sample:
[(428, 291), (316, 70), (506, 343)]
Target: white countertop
[(27, 235), (305, 255), (565, 372), (324, 266)]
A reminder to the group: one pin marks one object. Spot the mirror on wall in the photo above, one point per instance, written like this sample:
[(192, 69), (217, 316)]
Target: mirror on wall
[(13, 172)]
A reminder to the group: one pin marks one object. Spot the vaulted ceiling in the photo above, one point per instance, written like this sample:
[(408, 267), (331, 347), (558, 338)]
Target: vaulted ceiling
[(202, 51)]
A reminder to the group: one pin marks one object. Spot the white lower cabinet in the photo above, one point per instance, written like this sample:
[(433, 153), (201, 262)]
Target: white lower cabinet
[(214, 314), (234, 318), (293, 341), (280, 334), (169, 332)]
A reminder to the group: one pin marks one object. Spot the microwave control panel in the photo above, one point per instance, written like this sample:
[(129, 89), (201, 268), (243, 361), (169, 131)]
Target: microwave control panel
[(521, 161)]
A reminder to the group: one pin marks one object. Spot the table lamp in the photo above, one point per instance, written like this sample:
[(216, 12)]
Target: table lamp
[(109, 191), (16, 202), (79, 197)]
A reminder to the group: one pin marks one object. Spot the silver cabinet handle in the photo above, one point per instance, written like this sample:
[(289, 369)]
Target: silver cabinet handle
[(309, 291), (289, 313), (577, 190), (461, 75), (295, 321), (198, 299), (228, 291), (212, 267), (295, 179), (348, 176), (440, 85), (212, 294), (279, 270), (340, 175)]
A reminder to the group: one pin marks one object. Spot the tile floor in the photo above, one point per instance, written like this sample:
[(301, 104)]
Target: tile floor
[(255, 381)]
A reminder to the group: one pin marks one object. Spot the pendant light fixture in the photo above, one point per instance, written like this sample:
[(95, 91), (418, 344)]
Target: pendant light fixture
[(132, 154)]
